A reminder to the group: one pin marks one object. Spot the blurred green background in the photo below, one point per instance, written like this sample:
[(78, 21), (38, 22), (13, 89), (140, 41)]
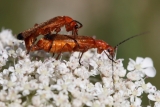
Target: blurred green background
[(109, 20)]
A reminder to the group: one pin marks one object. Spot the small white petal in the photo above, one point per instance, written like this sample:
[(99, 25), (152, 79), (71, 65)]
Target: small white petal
[(147, 62), (11, 69), (1, 81), (25, 92), (44, 79), (139, 91), (130, 85), (122, 73), (132, 61), (139, 60), (150, 72), (131, 98), (131, 65), (2, 104), (57, 87), (5, 55), (36, 100), (13, 77), (151, 97), (138, 101), (130, 68), (151, 88), (77, 103), (157, 104), (98, 88), (5, 72)]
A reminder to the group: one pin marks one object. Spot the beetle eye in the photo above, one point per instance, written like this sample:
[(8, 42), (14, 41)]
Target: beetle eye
[(20, 36), (109, 50)]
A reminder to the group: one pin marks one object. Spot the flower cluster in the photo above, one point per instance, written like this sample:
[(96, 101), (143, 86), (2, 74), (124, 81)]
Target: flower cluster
[(32, 81)]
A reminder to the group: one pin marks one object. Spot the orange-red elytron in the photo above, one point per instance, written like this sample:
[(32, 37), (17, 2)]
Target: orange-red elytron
[(54, 24), (67, 43)]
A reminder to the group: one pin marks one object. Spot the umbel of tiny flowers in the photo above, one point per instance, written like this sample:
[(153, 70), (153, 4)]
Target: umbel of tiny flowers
[(38, 80)]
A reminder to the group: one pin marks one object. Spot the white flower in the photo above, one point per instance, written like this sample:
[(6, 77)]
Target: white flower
[(36, 101), (107, 100), (84, 97), (80, 83), (8, 84), (3, 95), (155, 96), (26, 66), (12, 94), (157, 104), (136, 102), (134, 96), (27, 87), (107, 82), (44, 80), (97, 103), (45, 68), (25, 92), (61, 99), (10, 38), (125, 103), (90, 87), (2, 104), (11, 52), (3, 58), (64, 84), (5, 54), (118, 68), (130, 85), (14, 104), (140, 68), (77, 103), (98, 88), (21, 53), (134, 75), (93, 63), (45, 94), (148, 88), (62, 68), (33, 84), (82, 72), (73, 62), (13, 77)]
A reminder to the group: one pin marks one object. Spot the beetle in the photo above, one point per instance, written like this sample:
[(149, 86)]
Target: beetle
[(54, 24)]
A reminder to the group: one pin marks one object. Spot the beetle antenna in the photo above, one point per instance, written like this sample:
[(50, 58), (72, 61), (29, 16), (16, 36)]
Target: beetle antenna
[(130, 38)]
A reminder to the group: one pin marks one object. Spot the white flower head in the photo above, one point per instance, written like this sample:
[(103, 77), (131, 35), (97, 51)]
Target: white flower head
[(39, 80)]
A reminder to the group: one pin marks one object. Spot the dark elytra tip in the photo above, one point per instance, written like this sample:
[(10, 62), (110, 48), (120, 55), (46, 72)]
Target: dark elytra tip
[(20, 36)]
